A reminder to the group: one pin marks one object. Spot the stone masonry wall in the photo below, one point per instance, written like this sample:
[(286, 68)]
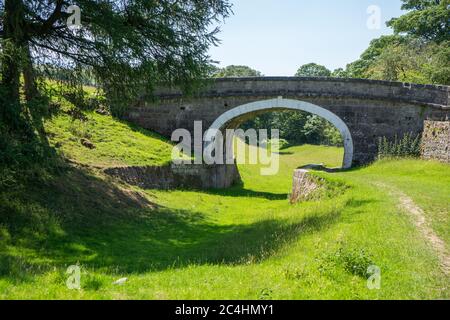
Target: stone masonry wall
[(303, 186), (178, 176), (436, 140)]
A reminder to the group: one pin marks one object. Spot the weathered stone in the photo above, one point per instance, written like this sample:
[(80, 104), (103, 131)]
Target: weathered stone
[(303, 186), (102, 110), (86, 143), (436, 141), (178, 176)]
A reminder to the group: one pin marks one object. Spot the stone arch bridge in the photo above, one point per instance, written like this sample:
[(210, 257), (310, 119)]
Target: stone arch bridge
[(363, 110)]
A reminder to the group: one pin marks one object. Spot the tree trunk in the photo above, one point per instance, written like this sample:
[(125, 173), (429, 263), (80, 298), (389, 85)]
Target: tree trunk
[(10, 76), (10, 65), (31, 90), (13, 34)]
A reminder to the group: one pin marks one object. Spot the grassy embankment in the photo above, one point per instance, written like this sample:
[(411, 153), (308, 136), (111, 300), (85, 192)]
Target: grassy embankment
[(244, 242)]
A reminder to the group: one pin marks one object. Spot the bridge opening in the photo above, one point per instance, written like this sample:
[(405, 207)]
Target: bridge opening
[(323, 126)]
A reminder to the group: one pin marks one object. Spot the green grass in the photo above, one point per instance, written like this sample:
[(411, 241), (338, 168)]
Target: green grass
[(243, 242), (117, 143), (427, 182)]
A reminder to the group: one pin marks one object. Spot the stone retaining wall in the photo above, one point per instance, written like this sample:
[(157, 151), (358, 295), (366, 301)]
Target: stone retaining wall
[(436, 140), (303, 186), (178, 176)]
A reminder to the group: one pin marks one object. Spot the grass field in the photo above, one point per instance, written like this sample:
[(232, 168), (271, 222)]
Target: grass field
[(244, 242), (116, 143)]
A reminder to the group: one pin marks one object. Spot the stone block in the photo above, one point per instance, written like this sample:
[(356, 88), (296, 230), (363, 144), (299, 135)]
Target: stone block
[(304, 185), (436, 141)]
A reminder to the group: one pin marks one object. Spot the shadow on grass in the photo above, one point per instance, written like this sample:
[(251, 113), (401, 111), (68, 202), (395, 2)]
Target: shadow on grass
[(353, 203), (285, 153), (80, 218), (240, 191), (174, 239)]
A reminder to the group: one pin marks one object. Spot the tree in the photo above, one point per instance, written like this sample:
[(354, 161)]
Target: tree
[(128, 45), (421, 55), (359, 68), (392, 64), (237, 71), (313, 70), (415, 61), (339, 73), (427, 19), (317, 130), (437, 69), (290, 124)]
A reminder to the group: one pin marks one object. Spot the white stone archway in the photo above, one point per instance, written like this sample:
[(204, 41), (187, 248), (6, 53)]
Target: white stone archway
[(281, 103)]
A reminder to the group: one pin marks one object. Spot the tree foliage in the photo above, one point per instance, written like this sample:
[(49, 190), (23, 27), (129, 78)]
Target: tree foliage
[(428, 19), (339, 73), (313, 70), (404, 58), (297, 127), (415, 61), (418, 52), (236, 71), (359, 68), (127, 46)]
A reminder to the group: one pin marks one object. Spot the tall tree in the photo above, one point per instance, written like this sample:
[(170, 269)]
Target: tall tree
[(428, 19), (237, 71), (129, 45), (360, 67), (313, 70), (339, 73), (415, 61)]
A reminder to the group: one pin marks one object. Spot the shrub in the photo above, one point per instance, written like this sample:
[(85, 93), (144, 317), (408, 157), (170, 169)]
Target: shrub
[(355, 261), (92, 282), (407, 146), (282, 144)]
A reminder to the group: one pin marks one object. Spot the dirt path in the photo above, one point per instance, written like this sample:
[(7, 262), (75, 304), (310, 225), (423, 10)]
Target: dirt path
[(419, 220)]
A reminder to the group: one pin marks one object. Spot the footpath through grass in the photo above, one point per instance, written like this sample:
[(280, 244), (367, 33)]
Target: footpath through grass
[(244, 242)]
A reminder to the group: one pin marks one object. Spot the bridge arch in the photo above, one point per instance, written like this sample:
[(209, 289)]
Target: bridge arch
[(371, 109), (280, 103)]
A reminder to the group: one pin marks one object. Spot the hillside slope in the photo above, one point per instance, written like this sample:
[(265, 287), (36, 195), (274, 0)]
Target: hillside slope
[(116, 143)]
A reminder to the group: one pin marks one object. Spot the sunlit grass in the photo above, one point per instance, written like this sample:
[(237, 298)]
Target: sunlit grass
[(116, 143), (243, 242)]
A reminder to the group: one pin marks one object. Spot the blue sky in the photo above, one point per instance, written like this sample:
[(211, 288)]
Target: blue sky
[(277, 36)]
